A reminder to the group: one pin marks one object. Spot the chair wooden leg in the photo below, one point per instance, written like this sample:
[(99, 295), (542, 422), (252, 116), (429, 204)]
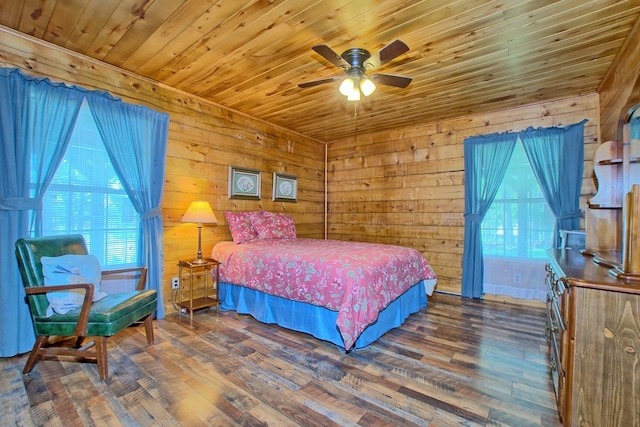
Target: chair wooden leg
[(35, 356), (148, 327), (101, 357)]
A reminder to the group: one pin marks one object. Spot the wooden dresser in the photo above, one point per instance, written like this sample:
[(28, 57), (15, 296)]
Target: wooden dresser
[(593, 330)]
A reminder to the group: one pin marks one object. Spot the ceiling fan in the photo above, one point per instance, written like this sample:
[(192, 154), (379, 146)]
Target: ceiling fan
[(356, 62)]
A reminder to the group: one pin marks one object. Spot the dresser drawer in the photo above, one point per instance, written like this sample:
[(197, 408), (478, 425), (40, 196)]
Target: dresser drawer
[(555, 327)]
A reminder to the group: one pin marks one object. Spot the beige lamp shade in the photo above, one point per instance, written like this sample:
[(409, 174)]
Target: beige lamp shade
[(199, 212)]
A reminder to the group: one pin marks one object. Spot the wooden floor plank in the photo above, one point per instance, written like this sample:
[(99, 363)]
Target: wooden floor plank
[(13, 398), (457, 362)]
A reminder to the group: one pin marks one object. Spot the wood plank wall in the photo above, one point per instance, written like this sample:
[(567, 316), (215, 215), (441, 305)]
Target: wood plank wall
[(204, 139), (620, 88), (406, 187)]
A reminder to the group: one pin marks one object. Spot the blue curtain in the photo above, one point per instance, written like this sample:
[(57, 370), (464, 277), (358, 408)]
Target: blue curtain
[(556, 156), (36, 122), (486, 158), (136, 140)]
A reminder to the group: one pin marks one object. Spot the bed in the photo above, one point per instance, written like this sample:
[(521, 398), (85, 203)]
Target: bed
[(347, 293)]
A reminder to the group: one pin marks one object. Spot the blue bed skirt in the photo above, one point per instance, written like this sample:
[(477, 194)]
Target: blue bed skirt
[(318, 321)]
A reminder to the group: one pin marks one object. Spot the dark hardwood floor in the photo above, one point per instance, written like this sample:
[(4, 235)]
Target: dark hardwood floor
[(456, 363)]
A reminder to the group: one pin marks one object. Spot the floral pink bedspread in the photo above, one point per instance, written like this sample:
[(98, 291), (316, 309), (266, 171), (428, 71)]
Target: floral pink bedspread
[(356, 279)]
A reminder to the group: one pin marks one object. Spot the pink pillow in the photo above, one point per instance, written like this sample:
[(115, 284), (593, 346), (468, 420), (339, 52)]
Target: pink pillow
[(240, 226), (271, 225)]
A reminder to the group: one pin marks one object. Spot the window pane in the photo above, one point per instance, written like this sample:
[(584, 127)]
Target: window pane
[(87, 197), (519, 223)]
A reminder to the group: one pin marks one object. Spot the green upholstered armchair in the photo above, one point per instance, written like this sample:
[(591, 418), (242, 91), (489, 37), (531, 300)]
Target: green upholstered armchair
[(99, 319)]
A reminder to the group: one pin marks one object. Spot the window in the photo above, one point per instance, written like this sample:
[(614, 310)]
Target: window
[(519, 223), (87, 197)]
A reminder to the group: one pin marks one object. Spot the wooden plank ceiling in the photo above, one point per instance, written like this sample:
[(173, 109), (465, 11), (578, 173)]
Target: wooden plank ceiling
[(466, 56)]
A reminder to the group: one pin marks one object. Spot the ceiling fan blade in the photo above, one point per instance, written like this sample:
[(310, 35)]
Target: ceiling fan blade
[(331, 56), (392, 80), (386, 54), (313, 83)]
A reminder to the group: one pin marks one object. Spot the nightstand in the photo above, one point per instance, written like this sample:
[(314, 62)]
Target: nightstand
[(196, 276)]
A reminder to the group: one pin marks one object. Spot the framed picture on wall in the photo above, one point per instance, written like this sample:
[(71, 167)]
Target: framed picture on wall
[(244, 183), (285, 188)]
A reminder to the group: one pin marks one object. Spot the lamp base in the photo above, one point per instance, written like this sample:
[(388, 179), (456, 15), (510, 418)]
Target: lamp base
[(199, 261)]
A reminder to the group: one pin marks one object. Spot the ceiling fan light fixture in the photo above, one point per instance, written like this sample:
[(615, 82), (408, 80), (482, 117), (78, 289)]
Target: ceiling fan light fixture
[(347, 86), (354, 95), (367, 86), (355, 62)]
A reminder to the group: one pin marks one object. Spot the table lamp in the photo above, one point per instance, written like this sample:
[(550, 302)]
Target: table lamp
[(199, 212)]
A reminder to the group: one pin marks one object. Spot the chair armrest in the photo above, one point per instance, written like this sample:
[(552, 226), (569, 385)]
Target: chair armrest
[(83, 318), (142, 280)]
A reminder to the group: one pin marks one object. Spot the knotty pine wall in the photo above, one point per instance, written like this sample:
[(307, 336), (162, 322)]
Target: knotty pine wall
[(620, 88), (406, 187), (204, 139)]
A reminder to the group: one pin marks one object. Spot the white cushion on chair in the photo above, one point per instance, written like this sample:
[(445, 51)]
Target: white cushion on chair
[(66, 270)]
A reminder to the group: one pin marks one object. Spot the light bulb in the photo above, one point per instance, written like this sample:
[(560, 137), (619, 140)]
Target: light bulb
[(354, 95), (346, 87), (367, 86)]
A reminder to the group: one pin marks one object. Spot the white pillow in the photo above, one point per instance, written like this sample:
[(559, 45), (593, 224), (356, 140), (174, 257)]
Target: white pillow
[(70, 269)]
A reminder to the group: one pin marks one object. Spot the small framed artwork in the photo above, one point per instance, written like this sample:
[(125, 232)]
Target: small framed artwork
[(285, 188), (244, 183)]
